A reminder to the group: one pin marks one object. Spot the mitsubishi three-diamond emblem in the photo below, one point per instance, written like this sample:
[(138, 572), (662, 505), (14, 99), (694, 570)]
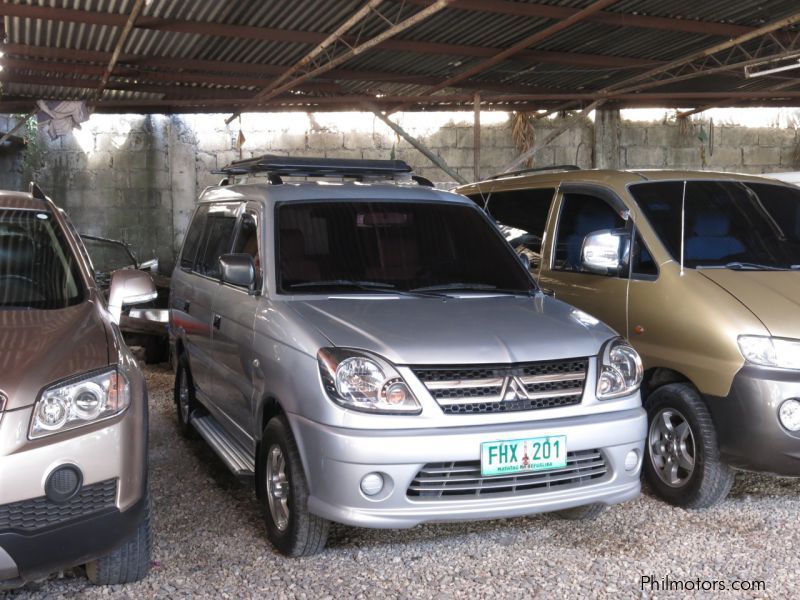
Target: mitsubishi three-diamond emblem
[(514, 389)]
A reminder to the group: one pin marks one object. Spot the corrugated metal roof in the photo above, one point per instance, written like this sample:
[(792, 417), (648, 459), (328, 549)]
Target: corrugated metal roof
[(224, 50)]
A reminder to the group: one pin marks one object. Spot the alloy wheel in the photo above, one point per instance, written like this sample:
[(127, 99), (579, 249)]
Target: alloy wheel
[(277, 488), (672, 447)]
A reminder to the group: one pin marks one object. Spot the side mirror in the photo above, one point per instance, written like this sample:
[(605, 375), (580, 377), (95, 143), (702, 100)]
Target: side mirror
[(149, 265), (606, 252), (526, 261), (129, 286), (238, 270)]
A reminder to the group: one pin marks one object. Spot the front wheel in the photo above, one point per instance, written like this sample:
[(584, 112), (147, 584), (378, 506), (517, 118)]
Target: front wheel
[(130, 561), (283, 489), (683, 465), (185, 401)]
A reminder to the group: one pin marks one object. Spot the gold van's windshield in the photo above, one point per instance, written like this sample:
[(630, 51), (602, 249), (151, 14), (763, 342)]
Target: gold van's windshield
[(37, 268), (728, 224)]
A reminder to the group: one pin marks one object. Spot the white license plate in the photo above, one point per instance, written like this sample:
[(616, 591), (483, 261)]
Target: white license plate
[(508, 457)]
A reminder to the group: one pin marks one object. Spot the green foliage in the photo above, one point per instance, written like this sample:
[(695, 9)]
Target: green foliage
[(32, 156)]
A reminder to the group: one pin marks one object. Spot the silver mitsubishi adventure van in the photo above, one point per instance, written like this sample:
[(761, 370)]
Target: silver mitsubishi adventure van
[(73, 406), (375, 354)]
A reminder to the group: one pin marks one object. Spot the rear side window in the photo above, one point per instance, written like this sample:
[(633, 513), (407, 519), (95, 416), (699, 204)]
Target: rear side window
[(193, 237), (37, 267), (217, 240), (521, 216)]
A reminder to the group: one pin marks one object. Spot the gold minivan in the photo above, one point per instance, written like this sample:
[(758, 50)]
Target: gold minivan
[(696, 269)]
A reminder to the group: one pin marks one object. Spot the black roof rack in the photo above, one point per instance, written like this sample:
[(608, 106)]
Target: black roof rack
[(536, 169), (276, 167)]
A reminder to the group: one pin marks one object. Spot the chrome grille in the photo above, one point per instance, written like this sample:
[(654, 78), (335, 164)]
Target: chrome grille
[(36, 513), (505, 388), (457, 480)]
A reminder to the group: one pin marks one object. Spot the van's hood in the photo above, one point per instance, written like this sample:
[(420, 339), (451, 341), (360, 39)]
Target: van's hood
[(38, 347), (772, 296), (463, 330)]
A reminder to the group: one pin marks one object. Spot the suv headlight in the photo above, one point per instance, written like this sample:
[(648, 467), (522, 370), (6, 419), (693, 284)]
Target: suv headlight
[(365, 382), (80, 401), (770, 351), (620, 370)]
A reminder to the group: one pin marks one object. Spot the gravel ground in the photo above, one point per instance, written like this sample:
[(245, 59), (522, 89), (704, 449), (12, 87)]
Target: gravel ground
[(210, 542)]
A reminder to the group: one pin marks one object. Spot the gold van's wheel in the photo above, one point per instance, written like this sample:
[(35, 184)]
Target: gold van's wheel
[(672, 447), (683, 464)]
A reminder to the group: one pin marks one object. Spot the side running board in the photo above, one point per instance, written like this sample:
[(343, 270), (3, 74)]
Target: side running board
[(235, 457)]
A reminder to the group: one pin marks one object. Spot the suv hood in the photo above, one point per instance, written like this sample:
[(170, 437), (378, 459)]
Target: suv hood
[(39, 347), (772, 296), (459, 330)]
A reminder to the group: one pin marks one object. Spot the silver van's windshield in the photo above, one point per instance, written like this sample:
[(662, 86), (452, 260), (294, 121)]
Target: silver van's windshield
[(37, 269), (727, 224), (424, 247)]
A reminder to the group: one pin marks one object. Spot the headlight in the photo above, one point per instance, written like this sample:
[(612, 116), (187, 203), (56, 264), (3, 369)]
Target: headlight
[(80, 401), (620, 370), (365, 382), (770, 352)]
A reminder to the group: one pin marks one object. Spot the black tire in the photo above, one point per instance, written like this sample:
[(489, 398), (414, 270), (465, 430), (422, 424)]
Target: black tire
[(302, 533), (184, 411), (587, 512), (128, 562), (709, 480)]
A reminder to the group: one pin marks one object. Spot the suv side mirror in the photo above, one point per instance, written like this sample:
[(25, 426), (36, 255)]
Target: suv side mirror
[(129, 286), (238, 270), (606, 251), (150, 265)]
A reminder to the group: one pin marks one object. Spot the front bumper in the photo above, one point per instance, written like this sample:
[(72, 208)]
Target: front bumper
[(27, 556), (337, 459), (748, 430), (37, 536)]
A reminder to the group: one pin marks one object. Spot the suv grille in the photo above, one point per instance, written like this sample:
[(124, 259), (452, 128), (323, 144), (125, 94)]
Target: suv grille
[(505, 388), (457, 480), (29, 515)]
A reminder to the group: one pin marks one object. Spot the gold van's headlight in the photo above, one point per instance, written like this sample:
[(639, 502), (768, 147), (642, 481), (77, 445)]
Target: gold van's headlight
[(770, 352), (80, 401), (620, 370), (365, 382)]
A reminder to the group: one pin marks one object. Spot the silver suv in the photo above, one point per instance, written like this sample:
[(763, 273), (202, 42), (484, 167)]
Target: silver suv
[(73, 406), (375, 354)]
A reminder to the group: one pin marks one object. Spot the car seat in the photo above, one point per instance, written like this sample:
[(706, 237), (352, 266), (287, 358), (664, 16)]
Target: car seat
[(711, 239)]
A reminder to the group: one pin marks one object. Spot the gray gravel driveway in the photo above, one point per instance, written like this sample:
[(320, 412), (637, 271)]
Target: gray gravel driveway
[(210, 542)]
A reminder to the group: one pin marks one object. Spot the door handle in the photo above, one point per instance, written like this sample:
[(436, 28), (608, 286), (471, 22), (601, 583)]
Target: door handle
[(186, 306), (217, 321)]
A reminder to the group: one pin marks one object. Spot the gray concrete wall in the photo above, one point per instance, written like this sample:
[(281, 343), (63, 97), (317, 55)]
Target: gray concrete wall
[(136, 177)]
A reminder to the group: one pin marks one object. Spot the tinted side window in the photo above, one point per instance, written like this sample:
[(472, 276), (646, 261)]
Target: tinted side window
[(192, 241), (218, 240), (522, 218), (643, 262), (247, 240), (581, 214)]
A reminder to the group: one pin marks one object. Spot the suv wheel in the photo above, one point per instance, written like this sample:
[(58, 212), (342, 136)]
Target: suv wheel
[(284, 492), (185, 401), (130, 561), (683, 465)]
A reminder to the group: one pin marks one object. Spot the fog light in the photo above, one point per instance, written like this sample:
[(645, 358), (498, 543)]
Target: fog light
[(631, 460), (63, 483), (372, 484), (789, 414)]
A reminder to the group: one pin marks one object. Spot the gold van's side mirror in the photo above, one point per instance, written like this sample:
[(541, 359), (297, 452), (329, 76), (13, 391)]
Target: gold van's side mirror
[(606, 252)]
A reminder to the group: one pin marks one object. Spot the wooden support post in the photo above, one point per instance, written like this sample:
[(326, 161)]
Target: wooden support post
[(476, 139), (419, 146)]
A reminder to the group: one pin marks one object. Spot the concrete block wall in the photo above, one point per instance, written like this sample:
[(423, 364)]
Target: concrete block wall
[(136, 177)]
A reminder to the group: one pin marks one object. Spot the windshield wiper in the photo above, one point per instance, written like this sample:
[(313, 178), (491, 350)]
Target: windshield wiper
[(744, 266), (472, 287), (370, 286)]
